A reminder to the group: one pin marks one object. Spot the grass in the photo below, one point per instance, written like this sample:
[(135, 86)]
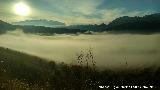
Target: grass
[(19, 71)]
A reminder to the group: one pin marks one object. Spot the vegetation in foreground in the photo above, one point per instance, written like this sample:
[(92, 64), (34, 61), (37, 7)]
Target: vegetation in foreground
[(19, 71)]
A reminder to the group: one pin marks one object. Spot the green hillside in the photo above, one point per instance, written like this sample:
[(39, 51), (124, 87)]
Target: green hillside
[(19, 71)]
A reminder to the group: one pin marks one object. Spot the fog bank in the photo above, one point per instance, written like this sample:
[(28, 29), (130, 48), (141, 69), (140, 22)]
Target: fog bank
[(108, 49)]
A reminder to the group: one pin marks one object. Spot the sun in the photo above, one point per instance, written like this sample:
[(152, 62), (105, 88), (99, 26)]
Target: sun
[(22, 9)]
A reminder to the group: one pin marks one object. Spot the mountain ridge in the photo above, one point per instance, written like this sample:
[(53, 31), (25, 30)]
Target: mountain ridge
[(40, 22), (147, 24)]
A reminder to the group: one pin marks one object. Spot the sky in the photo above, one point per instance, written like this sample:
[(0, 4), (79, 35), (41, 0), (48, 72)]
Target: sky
[(78, 11)]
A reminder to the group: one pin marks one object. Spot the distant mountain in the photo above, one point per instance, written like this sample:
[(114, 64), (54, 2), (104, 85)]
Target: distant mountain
[(5, 26), (146, 24), (41, 22), (2, 23), (37, 29), (50, 31), (101, 27)]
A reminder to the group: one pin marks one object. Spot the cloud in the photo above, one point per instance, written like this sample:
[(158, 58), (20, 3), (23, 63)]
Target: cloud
[(109, 15), (68, 11), (131, 5), (104, 16), (108, 49), (68, 7), (79, 11), (88, 12)]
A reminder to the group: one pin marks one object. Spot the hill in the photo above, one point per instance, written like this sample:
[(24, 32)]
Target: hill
[(41, 22), (95, 28), (5, 26), (19, 71), (49, 31), (145, 24), (148, 24), (126, 24)]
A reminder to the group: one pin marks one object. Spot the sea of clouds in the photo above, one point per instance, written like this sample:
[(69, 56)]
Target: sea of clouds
[(109, 50)]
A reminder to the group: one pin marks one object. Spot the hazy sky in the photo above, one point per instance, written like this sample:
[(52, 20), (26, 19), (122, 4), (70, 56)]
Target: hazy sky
[(79, 11)]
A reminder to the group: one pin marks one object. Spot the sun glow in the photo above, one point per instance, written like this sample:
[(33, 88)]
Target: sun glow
[(22, 9)]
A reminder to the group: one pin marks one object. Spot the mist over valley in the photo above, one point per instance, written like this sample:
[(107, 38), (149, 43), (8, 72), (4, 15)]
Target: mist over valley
[(110, 50)]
